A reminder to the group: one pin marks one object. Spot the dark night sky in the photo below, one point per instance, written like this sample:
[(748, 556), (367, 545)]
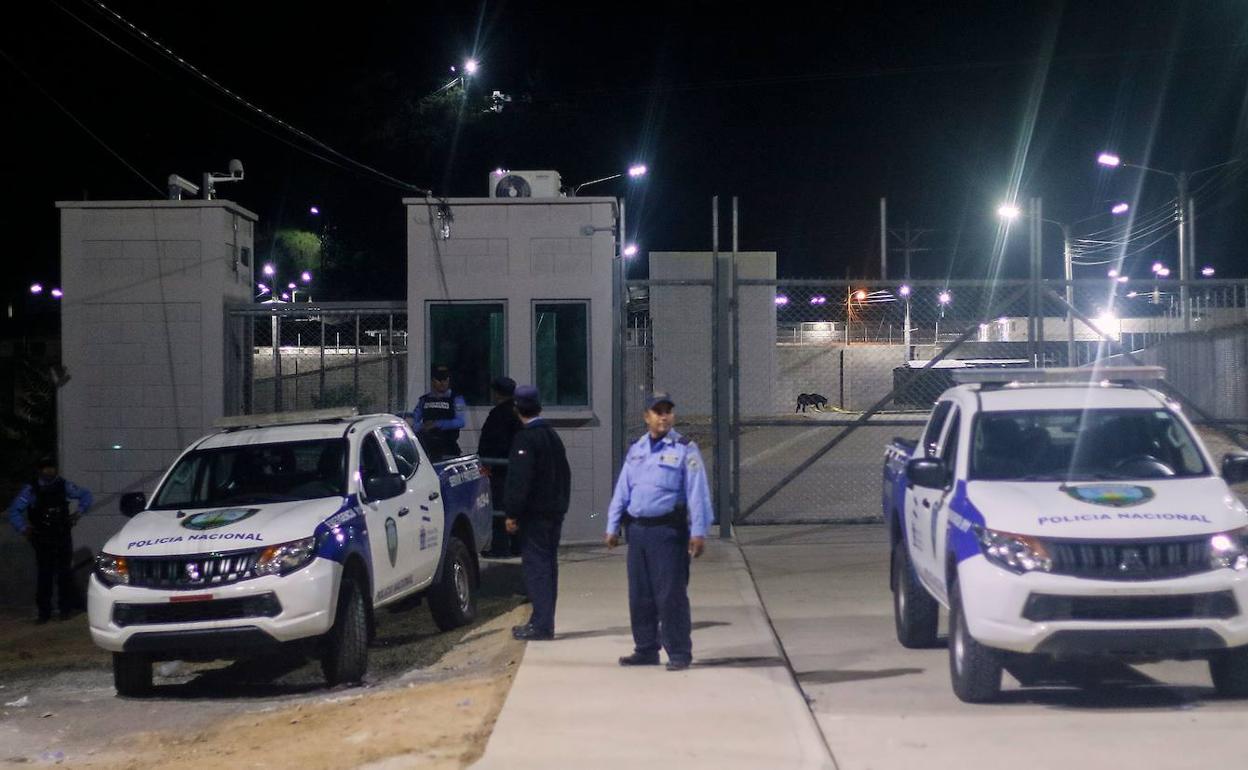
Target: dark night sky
[(809, 120)]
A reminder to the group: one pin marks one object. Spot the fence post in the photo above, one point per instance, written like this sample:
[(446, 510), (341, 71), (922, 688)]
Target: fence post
[(720, 407), (355, 366), (276, 325)]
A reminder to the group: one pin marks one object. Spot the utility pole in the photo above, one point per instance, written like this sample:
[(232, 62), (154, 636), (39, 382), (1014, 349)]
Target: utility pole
[(910, 238), (1185, 272), (884, 239)]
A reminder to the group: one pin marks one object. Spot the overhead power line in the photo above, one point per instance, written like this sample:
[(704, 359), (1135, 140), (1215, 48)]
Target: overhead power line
[(169, 54), (35, 84)]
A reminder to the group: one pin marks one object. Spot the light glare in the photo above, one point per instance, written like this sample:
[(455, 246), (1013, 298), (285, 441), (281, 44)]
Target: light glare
[(57, 293), (945, 298), (781, 299), (638, 170), (1120, 208), (1207, 271), (36, 288), (1108, 159), (470, 66), (904, 291), (630, 250), (268, 270), (1008, 211)]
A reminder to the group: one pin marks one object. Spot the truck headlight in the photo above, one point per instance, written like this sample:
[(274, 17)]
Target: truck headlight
[(287, 557), (112, 570), (1229, 549), (1017, 553)]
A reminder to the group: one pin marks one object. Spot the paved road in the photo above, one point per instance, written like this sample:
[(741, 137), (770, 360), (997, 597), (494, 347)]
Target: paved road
[(881, 706)]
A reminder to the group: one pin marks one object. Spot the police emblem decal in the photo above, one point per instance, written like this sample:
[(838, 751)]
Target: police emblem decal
[(1113, 495), (221, 518), (392, 541)]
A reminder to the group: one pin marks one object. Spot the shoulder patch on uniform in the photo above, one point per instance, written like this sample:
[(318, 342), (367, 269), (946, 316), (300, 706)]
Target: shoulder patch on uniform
[(683, 440)]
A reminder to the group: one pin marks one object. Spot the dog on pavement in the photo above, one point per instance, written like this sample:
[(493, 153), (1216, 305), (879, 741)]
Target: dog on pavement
[(813, 400)]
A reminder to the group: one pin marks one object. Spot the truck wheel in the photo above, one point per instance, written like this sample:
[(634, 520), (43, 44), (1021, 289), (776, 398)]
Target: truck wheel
[(915, 613), (974, 668), (132, 674), (1229, 670), (453, 599), (346, 650)]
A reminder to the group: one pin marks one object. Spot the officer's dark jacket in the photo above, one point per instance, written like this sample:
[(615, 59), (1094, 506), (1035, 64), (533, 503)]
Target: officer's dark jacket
[(50, 511), (501, 426), (539, 482)]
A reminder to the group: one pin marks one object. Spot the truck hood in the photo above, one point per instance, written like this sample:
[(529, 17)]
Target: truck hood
[(1155, 508), (205, 530)]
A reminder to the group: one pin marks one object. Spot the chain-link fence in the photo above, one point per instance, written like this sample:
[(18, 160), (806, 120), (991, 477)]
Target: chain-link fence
[(287, 357), (826, 373)]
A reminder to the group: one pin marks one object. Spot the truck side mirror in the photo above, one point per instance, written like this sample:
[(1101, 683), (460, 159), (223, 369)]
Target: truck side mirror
[(1235, 468), (385, 486), (928, 472), (132, 503)]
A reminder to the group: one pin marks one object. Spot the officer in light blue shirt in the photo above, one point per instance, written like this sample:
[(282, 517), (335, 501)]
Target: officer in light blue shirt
[(663, 501)]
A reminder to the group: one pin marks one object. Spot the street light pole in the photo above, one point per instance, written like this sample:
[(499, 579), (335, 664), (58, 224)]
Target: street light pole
[(1184, 269), (1069, 275)]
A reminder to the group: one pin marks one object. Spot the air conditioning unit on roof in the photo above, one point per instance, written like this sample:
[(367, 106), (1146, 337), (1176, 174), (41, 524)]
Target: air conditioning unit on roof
[(524, 184)]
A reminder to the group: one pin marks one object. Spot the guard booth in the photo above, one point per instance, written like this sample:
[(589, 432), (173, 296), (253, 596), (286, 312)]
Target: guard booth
[(522, 287)]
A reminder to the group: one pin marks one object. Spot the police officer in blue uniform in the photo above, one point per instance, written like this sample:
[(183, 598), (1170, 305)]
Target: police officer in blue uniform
[(663, 501), (539, 488), (439, 416), (41, 513)]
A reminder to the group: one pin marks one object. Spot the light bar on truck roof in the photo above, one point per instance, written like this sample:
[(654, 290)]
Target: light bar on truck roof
[(1077, 376), (287, 418)]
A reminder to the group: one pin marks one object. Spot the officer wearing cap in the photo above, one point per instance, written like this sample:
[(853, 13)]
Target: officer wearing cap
[(41, 513), (439, 416), (663, 500), (539, 485), (500, 427)]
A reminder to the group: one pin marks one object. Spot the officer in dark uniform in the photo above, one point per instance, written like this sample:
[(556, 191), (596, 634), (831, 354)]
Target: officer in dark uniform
[(439, 416), (663, 501), (539, 485), (500, 427), (41, 513)]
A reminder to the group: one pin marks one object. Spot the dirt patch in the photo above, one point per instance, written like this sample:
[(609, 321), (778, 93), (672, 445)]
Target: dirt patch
[(439, 717), (430, 698)]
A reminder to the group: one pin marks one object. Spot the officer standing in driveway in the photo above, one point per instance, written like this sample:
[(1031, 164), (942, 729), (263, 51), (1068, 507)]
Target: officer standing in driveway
[(41, 514), (494, 446), (539, 485), (663, 500), (439, 416)]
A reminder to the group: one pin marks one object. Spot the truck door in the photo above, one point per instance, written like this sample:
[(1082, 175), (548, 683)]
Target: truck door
[(914, 521), (389, 525), (939, 522), (423, 497), (927, 508)]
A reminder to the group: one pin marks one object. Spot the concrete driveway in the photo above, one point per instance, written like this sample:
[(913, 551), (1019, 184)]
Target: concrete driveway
[(882, 706)]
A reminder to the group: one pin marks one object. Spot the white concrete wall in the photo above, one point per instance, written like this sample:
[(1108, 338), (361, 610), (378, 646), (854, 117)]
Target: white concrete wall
[(146, 284), (519, 251), (681, 322)]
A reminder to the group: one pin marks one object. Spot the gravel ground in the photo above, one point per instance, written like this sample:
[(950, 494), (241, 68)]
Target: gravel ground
[(430, 698)]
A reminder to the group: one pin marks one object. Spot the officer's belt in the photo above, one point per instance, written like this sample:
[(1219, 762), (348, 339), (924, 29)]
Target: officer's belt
[(677, 518)]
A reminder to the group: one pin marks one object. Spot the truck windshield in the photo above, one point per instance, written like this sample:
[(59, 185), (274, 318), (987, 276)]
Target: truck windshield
[(256, 473), (1083, 445)]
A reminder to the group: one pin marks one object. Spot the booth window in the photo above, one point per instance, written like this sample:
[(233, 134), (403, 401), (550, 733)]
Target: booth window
[(561, 352), (469, 338)]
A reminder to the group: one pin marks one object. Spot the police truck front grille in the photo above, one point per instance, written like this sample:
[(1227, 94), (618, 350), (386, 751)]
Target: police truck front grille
[(1130, 560), (1046, 607), (180, 572), (262, 606)]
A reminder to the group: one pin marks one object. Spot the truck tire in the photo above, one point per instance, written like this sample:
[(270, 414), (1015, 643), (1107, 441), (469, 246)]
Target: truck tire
[(915, 613), (132, 674), (453, 599), (345, 659), (974, 668), (1229, 670)]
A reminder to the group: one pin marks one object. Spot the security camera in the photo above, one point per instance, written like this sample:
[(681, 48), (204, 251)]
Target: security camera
[(236, 168)]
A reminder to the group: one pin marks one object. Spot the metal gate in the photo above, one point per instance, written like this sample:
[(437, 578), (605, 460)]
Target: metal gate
[(291, 356), (822, 374)]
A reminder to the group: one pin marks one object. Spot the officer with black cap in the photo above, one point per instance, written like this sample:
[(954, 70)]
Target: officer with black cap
[(41, 513), (500, 427), (663, 500), (539, 485), (439, 416)]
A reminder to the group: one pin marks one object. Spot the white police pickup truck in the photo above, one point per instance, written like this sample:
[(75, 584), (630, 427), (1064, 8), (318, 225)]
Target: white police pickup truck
[(291, 528), (1062, 514)]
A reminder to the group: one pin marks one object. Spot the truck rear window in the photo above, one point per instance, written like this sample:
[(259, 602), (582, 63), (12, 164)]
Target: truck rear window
[(1081, 445), (256, 473)]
